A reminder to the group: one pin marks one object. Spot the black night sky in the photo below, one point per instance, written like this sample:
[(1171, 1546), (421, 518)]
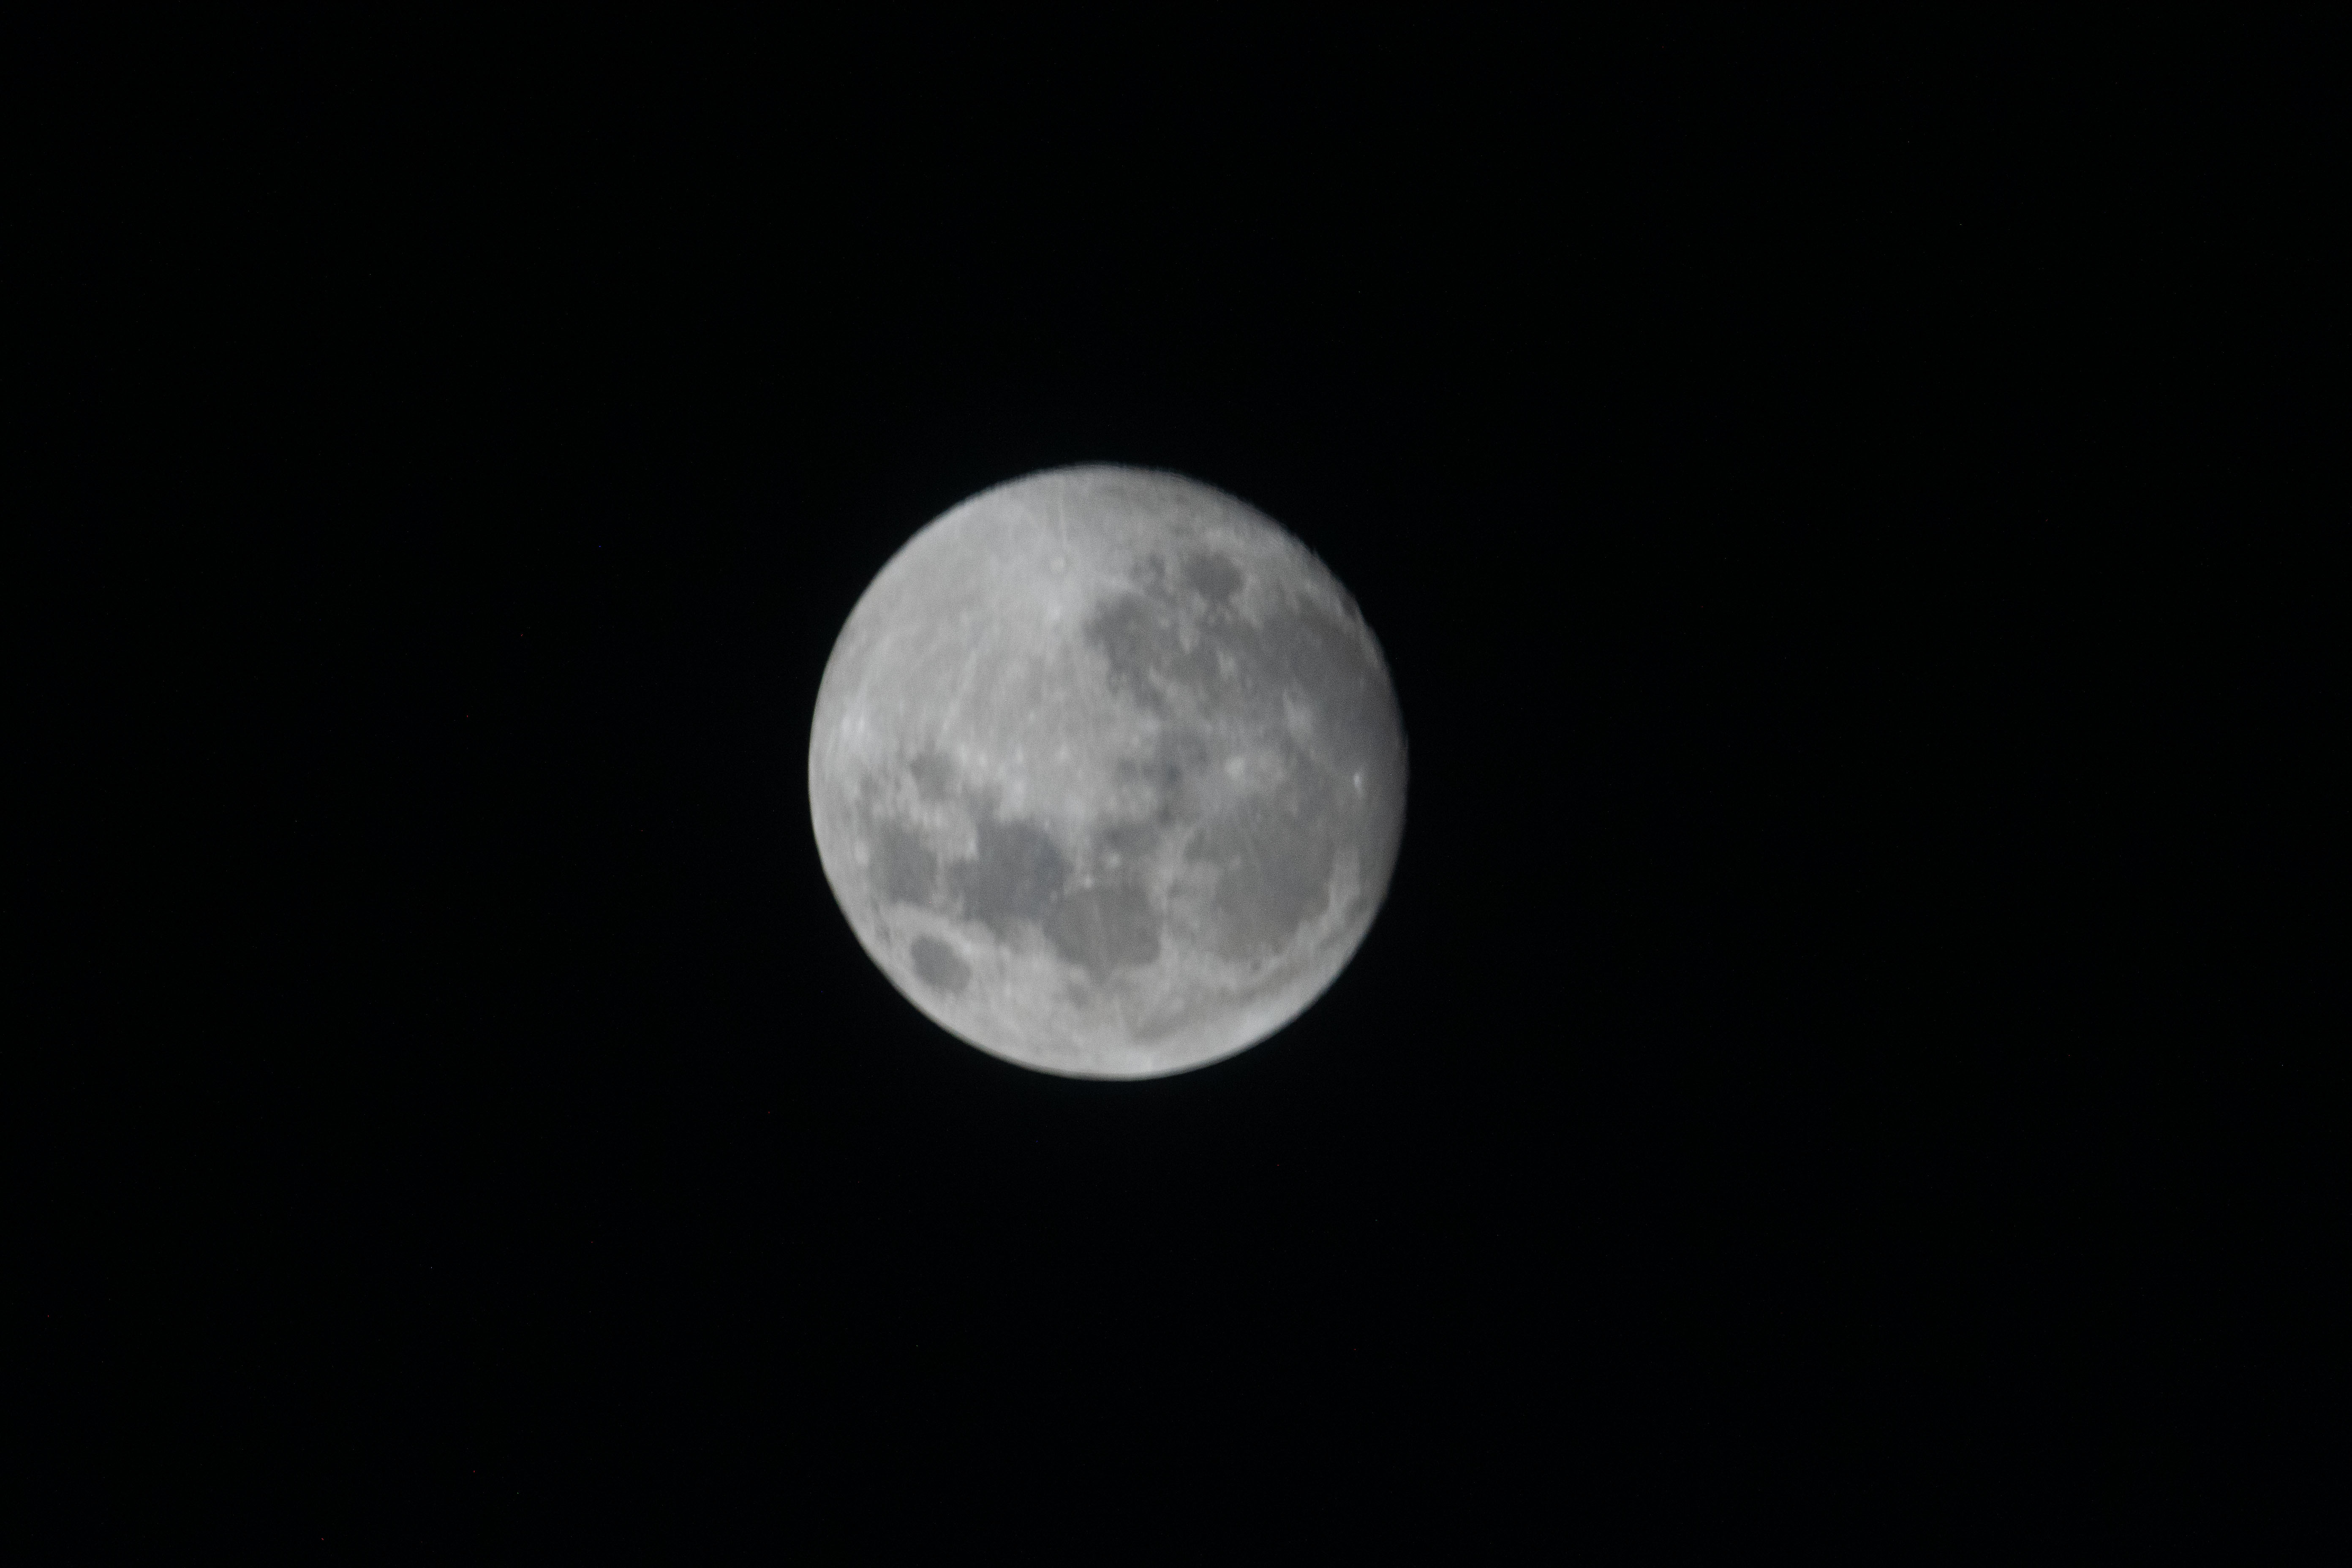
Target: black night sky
[(474, 1132)]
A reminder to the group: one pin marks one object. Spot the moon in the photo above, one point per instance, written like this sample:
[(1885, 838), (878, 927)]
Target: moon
[(1106, 773)]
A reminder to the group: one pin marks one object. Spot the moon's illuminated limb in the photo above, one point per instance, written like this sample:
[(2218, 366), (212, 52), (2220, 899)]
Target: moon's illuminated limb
[(1107, 773)]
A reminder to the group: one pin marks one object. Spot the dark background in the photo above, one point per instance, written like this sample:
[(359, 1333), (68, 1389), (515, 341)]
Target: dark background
[(1784, 1082)]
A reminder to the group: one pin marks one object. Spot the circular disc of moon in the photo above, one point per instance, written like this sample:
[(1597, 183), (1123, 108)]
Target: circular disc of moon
[(1106, 773)]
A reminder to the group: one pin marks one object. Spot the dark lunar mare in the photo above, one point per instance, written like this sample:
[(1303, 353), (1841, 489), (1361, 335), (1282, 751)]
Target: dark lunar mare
[(1100, 929), (1213, 577), (937, 965), (905, 869), (1274, 860), (1273, 854), (1018, 875), (1099, 916)]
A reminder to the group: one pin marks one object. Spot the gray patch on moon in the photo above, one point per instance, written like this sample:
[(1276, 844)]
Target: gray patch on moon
[(1272, 866), (1214, 577), (1118, 843), (1098, 915), (1018, 875), (933, 774), (1272, 854), (905, 869), (937, 965), (1150, 662), (1122, 769), (1177, 758), (1105, 928)]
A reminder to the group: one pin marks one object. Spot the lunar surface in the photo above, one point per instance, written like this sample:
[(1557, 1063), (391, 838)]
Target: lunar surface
[(1106, 773)]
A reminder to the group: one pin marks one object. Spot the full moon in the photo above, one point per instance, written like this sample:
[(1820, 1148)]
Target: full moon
[(1106, 773)]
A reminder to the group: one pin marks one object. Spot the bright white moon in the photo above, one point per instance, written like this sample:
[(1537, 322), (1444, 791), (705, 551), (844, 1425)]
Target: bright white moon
[(1106, 773)]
